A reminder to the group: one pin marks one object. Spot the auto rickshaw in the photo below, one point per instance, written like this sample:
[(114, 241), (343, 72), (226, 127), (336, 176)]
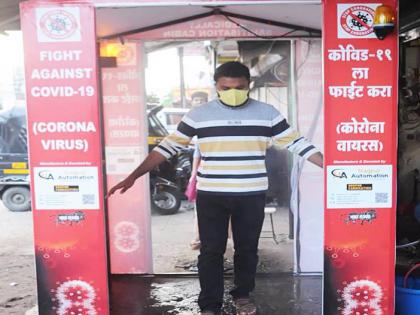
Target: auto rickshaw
[(14, 171)]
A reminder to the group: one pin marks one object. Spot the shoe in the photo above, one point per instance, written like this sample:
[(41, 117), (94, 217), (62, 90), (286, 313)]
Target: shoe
[(244, 306)]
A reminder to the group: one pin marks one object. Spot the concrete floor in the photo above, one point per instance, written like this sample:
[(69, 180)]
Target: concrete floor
[(274, 295), (171, 235), (17, 270), (277, 291)]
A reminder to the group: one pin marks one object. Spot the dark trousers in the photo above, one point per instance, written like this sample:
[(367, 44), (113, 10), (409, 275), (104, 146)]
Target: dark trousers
[(247, 217)]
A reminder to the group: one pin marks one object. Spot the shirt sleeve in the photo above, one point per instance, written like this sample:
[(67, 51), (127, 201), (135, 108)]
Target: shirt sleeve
[(286, 137), (178, 140)]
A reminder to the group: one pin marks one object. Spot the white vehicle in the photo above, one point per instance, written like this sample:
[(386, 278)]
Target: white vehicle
[(171, 117)]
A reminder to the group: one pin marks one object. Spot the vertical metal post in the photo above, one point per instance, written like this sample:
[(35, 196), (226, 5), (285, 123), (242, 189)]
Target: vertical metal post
[(181, 76), (294, 224), (292, 110)]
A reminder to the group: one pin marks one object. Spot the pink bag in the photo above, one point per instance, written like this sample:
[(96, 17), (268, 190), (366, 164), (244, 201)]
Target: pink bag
[(191, 191)]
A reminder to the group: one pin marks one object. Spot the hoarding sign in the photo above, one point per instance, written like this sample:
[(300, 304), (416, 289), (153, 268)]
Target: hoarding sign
[(65, 158), (360, 96)]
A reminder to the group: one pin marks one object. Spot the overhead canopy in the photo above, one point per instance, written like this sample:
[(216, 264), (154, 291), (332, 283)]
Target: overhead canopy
[(9, 15), (114, 21)]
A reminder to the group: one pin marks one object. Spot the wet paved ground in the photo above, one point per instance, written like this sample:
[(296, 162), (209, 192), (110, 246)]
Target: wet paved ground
[(173, 254), (283, 294)]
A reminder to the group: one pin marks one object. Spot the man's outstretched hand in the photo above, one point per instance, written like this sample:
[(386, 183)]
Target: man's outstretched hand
[(152, 160), (317, 158), (123, 185)]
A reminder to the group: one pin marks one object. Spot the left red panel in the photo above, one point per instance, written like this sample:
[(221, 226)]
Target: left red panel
[(65, 158)]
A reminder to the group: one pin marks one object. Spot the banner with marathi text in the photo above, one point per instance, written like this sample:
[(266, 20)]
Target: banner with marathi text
[(360, 96)]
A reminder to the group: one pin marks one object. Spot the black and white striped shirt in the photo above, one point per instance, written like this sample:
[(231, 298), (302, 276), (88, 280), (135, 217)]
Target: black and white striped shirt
[(233, 143)]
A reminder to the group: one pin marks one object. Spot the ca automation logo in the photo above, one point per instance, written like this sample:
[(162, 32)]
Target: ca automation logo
[(340, 173), (45, 175)]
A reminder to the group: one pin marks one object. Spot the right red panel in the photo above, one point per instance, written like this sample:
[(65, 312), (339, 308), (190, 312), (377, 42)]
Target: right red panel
[(360, 97)]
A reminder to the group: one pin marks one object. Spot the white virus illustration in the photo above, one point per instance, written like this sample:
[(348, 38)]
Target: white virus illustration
[(361, 297), (126, 236), (75, 297)]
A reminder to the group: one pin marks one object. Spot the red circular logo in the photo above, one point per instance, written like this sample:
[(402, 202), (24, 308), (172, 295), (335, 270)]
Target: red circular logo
[(58, 24), (358, 20), (125, 55)]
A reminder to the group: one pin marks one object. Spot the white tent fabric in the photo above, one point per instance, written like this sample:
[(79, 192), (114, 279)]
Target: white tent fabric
[(114, 20), (307, 179)]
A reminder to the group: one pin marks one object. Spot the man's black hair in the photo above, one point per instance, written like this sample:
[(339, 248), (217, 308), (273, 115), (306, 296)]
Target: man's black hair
[(232, 69), (200, 94)]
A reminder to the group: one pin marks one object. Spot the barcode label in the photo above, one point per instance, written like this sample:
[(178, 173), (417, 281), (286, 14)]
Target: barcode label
[(88, 199), (381, 197)]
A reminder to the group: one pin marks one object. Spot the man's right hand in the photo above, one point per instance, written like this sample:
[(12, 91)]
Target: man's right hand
[(123, 185), (152, 160)]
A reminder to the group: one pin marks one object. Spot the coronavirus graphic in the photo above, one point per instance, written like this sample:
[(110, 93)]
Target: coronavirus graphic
[(360, 20), (361, 297), (75, 297), (126, 236), (357, 20), (52, 254), (58, 24), (340, 255)]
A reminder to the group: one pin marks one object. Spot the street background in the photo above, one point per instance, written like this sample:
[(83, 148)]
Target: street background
[(17, 271)]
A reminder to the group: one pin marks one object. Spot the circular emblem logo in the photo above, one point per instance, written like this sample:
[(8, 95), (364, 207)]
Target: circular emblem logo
[(358, 20), (125, 55), (58, 24)]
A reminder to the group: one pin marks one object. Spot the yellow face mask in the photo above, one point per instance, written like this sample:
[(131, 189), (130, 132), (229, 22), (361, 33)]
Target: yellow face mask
[(233, 97)]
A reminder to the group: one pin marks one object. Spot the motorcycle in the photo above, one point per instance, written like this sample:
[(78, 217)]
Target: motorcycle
[(165, 196), (169, 180), (168, 183)]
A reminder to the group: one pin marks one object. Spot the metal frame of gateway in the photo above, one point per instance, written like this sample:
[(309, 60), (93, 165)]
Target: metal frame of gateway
[(216, 10)]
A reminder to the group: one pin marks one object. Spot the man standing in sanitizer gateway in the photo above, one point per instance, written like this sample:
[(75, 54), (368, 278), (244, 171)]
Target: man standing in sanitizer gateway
[(233, 133)]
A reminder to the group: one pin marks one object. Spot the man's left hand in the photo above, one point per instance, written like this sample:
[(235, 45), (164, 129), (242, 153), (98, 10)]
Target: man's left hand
[(317, 158)]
